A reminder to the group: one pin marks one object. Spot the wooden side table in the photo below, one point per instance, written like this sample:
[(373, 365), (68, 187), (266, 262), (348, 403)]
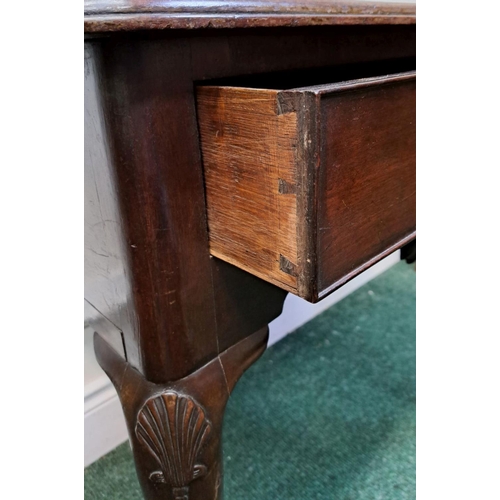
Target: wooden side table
[(237, 151)]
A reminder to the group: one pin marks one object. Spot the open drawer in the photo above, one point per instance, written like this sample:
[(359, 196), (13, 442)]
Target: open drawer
[(308, 187)]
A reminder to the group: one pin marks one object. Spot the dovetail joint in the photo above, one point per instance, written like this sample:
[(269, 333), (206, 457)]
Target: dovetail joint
[(288, 267), (285, 187)]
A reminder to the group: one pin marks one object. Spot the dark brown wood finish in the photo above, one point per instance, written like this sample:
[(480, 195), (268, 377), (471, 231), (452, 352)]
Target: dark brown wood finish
[(367, 187), (163, 211), (128, 15), (165, 237), (178, 309), (175, 428)]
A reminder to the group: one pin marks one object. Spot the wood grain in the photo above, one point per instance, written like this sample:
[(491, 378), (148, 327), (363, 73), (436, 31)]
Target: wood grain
[(249, 164), (367, 183), (129, 15), (163, 420), (185, 309), (177, 306), (307, 187), (183, 305)]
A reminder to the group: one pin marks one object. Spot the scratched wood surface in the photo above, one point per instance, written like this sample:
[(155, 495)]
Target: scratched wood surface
[(131, 15), (308, 187), (108, 294)]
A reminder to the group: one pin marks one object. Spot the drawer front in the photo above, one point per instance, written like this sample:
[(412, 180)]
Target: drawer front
[(366, 183), (308, 187)]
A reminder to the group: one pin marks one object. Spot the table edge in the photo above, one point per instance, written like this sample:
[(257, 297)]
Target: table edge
[(133, 15)]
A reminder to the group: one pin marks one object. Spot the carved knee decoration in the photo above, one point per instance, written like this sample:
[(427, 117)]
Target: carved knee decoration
[(175, 428)]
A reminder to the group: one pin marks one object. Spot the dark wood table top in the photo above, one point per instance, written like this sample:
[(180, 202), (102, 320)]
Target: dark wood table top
[(130, 15)]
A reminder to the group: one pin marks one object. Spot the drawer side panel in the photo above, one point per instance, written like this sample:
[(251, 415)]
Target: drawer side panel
[(248, 149)]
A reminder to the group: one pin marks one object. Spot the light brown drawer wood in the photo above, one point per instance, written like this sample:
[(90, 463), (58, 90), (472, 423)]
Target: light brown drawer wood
[(308, 187)]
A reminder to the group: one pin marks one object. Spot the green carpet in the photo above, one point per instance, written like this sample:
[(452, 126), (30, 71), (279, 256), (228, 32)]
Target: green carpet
[(326, 414)]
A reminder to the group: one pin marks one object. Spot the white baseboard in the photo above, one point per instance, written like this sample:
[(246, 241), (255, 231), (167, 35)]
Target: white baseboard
[(105, 427)]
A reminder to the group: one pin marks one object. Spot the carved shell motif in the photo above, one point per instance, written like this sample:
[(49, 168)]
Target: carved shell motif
[(173, 427)]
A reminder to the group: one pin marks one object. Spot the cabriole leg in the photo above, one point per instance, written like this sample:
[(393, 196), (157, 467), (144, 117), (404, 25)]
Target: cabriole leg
[(175, 428)]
